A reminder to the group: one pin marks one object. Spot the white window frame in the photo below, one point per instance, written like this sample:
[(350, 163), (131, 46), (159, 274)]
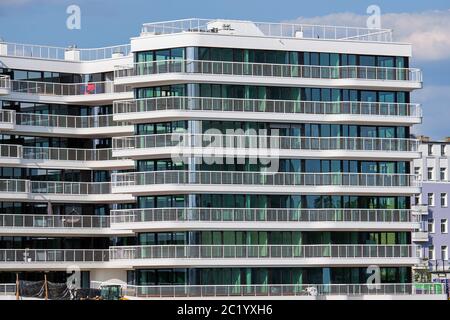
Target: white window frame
[(430, 222), (430, 173), (443, 199), (430, 203), (443, 174), (431, 254), (444, 252), (444, 224)]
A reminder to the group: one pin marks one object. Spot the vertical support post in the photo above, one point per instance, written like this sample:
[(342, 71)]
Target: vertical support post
[(46, 287), (17, 286)]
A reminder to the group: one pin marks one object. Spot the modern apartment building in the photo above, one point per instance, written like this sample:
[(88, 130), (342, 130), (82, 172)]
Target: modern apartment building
[(433, 237), (214, 158)]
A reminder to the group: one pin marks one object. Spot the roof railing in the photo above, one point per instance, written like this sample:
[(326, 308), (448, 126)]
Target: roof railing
[(268, 29), (62, 53)]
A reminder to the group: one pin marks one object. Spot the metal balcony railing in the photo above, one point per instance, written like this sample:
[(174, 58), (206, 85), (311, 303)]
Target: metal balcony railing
[(66, 154), (7, 116), (53, 255), (63, 121), (66, 89), (14, 185), (59, 53), (268, 29), (262, 179), (7, 289), (229, 141), (267, 106), (5, 82), (41, 221), (268, 70), (237, 251), (51, 153), (11, 151), (261, 215), (257, 290), (70, 188)]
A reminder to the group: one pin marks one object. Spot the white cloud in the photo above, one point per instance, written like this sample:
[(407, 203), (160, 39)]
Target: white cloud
[(436, 110), (428, 31)]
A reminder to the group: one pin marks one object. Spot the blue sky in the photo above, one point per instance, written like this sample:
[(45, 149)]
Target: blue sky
[(104, 23)]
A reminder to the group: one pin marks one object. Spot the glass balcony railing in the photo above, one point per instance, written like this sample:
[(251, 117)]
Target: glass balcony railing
[(237, 251), (59, 53), (221, 178), (66, 89), (67, 154), (287, 107), (50, 153), (5, 82), (7, 289), (54, 187), (261, 215), (276, 290), (42, 221), (210, 142), (53, 255), (7, 116), (268, 70), (70, 188), (14, 185), (269, 29), (63, 121)]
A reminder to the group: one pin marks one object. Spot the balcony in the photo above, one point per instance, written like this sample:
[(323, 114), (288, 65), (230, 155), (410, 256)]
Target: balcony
[(185, 145), (176, 108), (420, 209), (5, 85), (420, 236), (69, 126), (263, 255), (266, 29), (64, 158), (26, 190), (185, 71), (178, 181), (400, 291), (52, 259), (6, 119), (90, 93), (159, 219), (51, 225)]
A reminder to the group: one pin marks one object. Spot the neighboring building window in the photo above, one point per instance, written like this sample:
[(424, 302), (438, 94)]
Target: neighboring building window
[(431, 252), (430, 149), (443, 200), (430, 173), (417, 171), (444, 252), (444, 226), (431, 199), (417, 199), (443, 174), (442, 149), (431, 225)]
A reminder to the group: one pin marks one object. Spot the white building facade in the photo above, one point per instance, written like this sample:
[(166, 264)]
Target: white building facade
[(214, 158)]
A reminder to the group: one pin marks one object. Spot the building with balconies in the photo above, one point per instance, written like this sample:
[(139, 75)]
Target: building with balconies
[(433, 237), (214, 158)]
